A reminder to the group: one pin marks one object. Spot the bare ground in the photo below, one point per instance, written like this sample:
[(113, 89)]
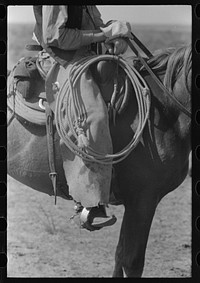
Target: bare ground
[(42, 242)]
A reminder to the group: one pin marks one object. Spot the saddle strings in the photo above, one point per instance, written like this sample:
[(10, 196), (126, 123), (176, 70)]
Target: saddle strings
[(68, 105)]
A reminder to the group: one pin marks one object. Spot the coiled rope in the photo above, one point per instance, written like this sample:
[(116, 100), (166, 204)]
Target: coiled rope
[(74, 108)]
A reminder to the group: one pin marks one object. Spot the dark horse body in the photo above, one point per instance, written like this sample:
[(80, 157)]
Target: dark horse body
[(158, 164)]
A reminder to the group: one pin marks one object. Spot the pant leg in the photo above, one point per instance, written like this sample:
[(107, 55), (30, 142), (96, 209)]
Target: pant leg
[(89, 182), (103, 73)]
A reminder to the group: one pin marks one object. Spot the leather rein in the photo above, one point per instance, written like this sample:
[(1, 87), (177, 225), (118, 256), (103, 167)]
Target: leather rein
[(136, 50)]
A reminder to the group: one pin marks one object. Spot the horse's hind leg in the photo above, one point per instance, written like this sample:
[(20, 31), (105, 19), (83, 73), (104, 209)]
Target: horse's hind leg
[(139, 211)]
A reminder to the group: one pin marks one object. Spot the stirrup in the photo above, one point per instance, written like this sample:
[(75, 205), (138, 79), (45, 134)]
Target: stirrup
[(86, 223)]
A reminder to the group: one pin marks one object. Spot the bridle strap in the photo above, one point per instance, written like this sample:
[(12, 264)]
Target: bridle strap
[(135, 49), (142, 46)]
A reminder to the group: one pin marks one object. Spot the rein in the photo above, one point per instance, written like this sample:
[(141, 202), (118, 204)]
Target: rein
[(69, 94), (135, 49)]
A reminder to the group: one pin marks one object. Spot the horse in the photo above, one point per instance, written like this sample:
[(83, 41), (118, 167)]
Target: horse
[(156, 166)]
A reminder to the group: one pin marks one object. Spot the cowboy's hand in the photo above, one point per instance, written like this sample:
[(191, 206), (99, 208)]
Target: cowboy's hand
[(117, 46), (117, 29)]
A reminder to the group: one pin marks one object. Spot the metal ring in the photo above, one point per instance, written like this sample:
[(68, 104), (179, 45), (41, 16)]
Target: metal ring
[(41, 104)]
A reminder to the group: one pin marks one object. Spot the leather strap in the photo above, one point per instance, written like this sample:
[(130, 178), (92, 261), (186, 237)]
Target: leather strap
[(142, 46), (156, 78), (50, 145)]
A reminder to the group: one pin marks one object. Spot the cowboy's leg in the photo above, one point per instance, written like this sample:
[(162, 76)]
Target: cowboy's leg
[(97, 121), (103, 73), (89, 182)]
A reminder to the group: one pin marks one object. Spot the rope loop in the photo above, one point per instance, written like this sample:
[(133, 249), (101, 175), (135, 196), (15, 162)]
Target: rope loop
[(76, 139)]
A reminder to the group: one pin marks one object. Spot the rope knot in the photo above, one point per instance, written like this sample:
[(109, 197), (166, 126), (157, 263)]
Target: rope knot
[(82, 139)]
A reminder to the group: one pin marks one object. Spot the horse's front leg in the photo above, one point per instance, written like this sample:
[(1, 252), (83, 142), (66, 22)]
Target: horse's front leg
[(139, 211), (118, 270)]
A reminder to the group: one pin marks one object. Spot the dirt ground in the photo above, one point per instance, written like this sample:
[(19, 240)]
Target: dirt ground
[(43, 242)]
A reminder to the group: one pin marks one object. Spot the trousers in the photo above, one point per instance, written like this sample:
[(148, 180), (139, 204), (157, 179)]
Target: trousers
[(89, 182)]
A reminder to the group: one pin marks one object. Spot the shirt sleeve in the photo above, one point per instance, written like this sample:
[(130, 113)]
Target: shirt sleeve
[(55, 32)]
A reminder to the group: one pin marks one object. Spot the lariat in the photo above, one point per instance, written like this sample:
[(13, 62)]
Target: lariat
[(69, 98)]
